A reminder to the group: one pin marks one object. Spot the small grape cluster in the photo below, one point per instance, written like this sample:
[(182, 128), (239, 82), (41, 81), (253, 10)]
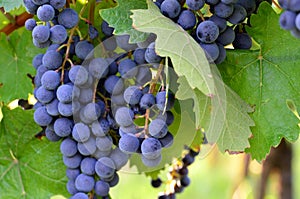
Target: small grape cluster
[(178, 178), (290, 18), (214, 31)]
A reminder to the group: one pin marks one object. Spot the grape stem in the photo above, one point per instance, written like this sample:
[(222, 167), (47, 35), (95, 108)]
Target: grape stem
[(152, 90), (67, 53), (276, 4)]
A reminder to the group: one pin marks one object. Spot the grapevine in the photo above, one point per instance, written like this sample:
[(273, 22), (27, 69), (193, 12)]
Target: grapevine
[(113, 91)]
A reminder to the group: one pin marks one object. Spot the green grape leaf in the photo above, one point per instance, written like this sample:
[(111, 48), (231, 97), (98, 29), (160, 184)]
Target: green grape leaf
[(266, 78), (119, 18), (9, 5), (15, 65), (226, 121), (172, 41), (30, 167)]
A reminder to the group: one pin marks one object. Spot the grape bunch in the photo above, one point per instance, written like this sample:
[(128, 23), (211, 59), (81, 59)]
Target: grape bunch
[(222, 27), (101, 109), (178, 178), (290, 18)]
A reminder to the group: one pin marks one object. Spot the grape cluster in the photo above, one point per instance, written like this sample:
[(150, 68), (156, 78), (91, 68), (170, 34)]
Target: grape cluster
[(94, 105), (290, 18), (178, 178), (224, 25)]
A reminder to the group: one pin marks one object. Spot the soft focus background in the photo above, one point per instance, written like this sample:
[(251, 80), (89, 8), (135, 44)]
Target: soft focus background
[(217, 176)]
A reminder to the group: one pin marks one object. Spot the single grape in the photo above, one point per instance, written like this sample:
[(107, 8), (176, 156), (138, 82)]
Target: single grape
[(41, 116), (101, 188), (41, 33), (150, 54), (151, 148), (64, 93), (83, 49), (87, 165), (100, 154), (195, 4), (220, 22), (100, 127), (249, 5), (88, 147), (37, 60), (119, 158), (139, 55), (239, 14), (68, 18), (170, 8), (71, 187), (222, 54), (147, 101), (226, 37), (45, 12), (132, 95), (104, 143), (72, 162), (114, 85), (86, 96), (106, 30), (127, 68), (287, 20), (78, 75), (114, 181), (242, 41), (58, 34), (93, 32), (51, 135), (123, 42), (72, 173), (211, 50), (105, 167), (161, 98), (188, 159), (44, 96), (223, 10), (50, 80), (144, 75), (81, 132), (52, 60), (129, 143), (63, 127), (65, 109), (99, 68), (30, 6), (185, 181), (158, 128), (30, 24), (207, 31), (58, 4), (156, 182), (68, 147), (187, 19), (92, 111), (84, 183), (167, 116), (124, 116), (167, 140), (41, 44)]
